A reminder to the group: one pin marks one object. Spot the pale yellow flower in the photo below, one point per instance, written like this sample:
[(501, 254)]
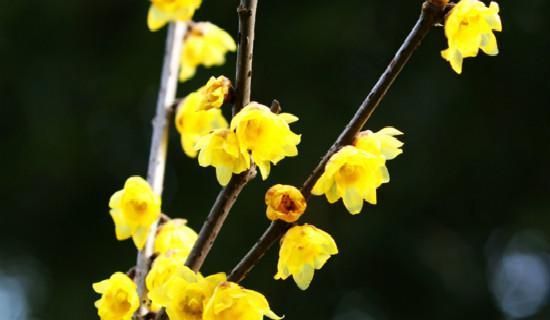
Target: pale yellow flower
[(304, 249), (205, 44), (469, 27), (382, 142), (163, 11), (221, 150), (231, 302), (215, 92), (175, 235), (353, 175), (164, 267), (133, 210), (193, 123), (119, 299), (285, 203), (266, 134), (188, 294)]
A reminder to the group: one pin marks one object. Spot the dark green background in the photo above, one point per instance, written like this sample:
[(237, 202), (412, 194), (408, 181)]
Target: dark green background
[(78, 83)]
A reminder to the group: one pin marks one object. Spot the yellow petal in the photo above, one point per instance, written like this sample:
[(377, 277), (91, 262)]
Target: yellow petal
[(489, 44), (304, 277), (140, 237), (265, 168), (156, 19), (223, 174), (353, 201)]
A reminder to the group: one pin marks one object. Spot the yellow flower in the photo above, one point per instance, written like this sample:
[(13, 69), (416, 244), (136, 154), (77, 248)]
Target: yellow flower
[(164, 11), (231, 301), (119, 299), (284, 202), (354, 175), (382, 142), (133, 210), (469, 27), (205, 44), (188, 293), (304, 249), (215, 92), (164, 268), (175, 235), (266, 134), (221, 150), (193, 123)]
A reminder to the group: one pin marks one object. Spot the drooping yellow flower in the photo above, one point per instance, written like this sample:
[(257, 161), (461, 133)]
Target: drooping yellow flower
[(304, 249), (193, 123), (133, 210), (469, 27), (188, 294), (119, 299), (284, 202), (353, 175), (382, 142), (221, 150), (231, 301), (266, 134), (164, 267), (163, 11), (215, 92), (175, 235), (205, 44)]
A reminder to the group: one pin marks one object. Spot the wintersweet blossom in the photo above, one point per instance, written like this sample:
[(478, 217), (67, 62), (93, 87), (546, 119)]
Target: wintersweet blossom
[(304, 249), (382, 142), (266, 134), (353, 175), (469, 27), (231, 301), (215, 92), (163, 11), (193, 123), (221, 150), (175, 235), (188, 293), (205, 44), (133, 210), (164, 267), (284, 202), (119, 299)]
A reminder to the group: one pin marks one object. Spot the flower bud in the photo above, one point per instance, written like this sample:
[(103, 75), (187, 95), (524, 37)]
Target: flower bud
[(285, 203)]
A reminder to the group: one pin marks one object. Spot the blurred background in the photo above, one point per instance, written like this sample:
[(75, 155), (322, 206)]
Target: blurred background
[(461, 232)]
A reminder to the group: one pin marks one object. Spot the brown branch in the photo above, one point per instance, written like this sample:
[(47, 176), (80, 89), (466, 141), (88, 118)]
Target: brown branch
[(159, 145), (431, 12), (245, 52), (228, 195)]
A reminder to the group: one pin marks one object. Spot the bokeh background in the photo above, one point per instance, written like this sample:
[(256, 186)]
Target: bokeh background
[(461, 232)]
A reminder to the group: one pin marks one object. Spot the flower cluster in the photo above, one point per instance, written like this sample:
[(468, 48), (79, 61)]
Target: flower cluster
[(355, 172), (469, 27), (199, 113), (187, 295), (254, 134)]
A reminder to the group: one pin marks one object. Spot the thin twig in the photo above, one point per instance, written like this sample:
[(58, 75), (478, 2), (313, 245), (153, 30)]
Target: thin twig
[(227, 196), (245, 52), (430, 13), (159, 145)]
